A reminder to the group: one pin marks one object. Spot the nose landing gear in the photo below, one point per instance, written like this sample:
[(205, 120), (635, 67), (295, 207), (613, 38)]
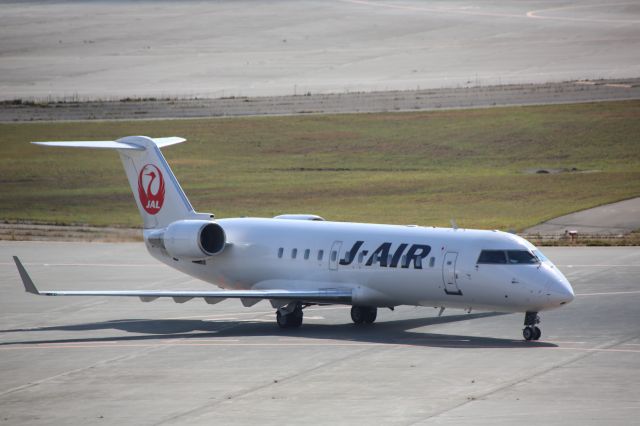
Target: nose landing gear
[(531, 331)]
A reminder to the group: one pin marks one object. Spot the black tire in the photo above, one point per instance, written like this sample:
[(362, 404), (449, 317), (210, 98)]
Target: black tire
[(295, 318), (537, 333), (281, 319), (370, 315), (528, 333), (295, 322), (290, 320), (357, 314)]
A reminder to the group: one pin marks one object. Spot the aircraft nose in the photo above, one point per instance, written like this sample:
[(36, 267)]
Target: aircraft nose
[(560, 291)]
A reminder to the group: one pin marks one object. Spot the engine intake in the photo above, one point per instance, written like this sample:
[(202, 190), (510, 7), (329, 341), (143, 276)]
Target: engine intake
[(194, 239)]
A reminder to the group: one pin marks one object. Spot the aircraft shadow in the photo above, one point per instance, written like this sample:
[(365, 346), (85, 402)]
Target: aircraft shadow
[(395, 332)]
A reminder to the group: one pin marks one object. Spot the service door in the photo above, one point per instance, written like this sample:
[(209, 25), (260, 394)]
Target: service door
[(334, 255), (449, 274)]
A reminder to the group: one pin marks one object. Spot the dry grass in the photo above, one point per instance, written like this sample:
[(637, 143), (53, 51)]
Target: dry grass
[(421, 168)]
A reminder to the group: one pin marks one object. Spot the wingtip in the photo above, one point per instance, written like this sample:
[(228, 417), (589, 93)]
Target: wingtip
[(29, 286)]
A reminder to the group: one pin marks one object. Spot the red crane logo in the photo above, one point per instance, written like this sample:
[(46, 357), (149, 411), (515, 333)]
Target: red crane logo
[(151, 189)]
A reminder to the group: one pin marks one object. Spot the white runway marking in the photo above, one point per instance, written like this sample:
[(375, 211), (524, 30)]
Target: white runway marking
[(106, 265), (532, 14), (612, 293), (536, 14), (257, 313), (433, 9), (599, 266), (220, 315), (281, 342)]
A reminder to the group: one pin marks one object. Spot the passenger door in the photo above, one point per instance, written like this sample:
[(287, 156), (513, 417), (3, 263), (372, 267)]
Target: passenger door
[(334, 255), (449, 275)]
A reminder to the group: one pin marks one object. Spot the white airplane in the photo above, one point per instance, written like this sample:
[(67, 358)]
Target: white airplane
[(298, 260)]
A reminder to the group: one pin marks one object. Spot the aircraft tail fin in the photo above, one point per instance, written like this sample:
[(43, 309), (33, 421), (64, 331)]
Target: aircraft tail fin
[(158, 195)]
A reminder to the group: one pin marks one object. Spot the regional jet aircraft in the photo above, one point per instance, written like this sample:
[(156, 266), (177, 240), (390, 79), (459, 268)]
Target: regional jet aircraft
[(299, 260)]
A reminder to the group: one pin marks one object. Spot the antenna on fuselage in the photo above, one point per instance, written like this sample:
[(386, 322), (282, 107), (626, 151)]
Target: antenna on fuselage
[(454, 225)]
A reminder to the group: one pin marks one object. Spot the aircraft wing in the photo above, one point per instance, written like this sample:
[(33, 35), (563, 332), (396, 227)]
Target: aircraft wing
[(248, 297)]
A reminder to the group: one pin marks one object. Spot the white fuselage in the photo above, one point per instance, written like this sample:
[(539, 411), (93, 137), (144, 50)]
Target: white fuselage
[(383, 265)]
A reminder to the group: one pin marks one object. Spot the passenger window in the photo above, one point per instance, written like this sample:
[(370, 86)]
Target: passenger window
[(294, 253), (320, 254), (418, 262), (389, 260), (306, 254), (280, 252), (404, 261), (334, 256), (432, 262), (361, 257), (492, 256)]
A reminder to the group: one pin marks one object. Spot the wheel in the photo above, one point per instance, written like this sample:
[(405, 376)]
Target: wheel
[(364, 314), (291, 320), (357, 314), (295, 322), (536, 333), (281, 319), (295, 318), (528, 333), (370, 315)]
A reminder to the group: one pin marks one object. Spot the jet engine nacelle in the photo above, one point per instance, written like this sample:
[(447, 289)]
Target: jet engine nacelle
[(194, 239)]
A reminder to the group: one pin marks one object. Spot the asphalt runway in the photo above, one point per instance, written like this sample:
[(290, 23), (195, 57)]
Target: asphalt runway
[(618, 218), (341, 103), (106, 361), (112, 49)]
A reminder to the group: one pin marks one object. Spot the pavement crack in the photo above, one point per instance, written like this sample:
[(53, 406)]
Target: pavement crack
[(203, 407), (81, 369), (516, 382)]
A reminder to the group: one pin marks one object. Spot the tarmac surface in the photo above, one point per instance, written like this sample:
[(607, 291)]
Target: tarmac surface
[(391, 101), (105, 361), (110, 49), (618, 218)]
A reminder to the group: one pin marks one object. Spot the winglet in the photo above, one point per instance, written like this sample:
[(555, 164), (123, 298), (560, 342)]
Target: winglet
[(29, 286)]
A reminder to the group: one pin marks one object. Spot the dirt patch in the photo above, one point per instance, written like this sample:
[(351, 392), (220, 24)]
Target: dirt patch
[(409, 100), (47, 232), (548, 171), (555, 171)]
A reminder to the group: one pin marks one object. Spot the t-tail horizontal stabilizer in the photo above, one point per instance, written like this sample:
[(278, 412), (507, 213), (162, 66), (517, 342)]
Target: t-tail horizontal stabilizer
[(119, 144), (159, 197), (337, 296)]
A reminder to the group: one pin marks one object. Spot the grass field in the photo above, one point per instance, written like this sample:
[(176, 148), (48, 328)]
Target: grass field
[(405, 168)]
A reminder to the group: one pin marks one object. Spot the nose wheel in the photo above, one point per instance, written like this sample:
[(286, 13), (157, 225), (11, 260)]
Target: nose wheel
[(531, 333), (531, 330)]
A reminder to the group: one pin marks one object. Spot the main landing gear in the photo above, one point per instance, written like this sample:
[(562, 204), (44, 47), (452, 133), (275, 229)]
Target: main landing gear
[(531, 331), (364, 314), (290, 316)]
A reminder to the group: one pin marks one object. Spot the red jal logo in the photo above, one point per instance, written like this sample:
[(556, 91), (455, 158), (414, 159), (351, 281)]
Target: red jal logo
[(151, 188)]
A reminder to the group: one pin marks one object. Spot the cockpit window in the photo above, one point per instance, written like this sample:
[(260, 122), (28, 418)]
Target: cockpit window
[(521, 257), (492, 256), (540, 256), (511, 257)]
